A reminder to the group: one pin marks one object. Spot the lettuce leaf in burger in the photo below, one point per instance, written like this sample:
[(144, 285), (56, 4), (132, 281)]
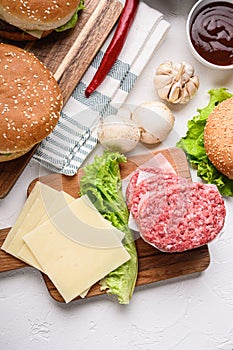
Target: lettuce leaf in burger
[(72, 22)]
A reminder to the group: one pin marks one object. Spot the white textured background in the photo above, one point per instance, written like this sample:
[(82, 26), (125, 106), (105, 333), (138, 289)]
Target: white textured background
[(194, 313)]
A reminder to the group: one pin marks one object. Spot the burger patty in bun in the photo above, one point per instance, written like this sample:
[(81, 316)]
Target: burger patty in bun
[(218, 136), (30, 102), (10, 32), (32, 19)]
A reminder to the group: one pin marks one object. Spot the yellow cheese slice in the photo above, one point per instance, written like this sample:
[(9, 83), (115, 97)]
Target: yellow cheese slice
[(39, 190), (72, 221), (59, 202), (74, 262), (36, 33), (39, 206), (39, 213)]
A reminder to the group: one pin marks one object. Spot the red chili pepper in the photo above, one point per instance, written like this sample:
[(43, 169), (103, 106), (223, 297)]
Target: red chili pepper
[(115, 46)]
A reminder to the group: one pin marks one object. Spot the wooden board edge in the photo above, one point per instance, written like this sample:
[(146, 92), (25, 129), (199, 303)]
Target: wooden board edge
[(14, 262)]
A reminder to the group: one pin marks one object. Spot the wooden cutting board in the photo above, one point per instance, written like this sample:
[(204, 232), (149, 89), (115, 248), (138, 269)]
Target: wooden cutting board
[(154, 265), (67, 55)]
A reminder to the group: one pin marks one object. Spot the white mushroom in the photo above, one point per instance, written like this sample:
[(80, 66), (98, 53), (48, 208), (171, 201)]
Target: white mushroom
[(155, 121), (176, 82), (117, 133)]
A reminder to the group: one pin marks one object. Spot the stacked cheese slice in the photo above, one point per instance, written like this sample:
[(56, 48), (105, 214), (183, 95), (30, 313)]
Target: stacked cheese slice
[(67, 239)]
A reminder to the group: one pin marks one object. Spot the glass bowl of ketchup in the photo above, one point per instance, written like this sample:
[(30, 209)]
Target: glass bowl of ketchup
[(209, 30)]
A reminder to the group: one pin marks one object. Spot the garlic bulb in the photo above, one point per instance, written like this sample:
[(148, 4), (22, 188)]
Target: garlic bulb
[(176, 82), (155, 121)]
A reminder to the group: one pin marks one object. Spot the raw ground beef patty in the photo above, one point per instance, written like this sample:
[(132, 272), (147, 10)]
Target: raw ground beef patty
[(180, 218), (161, 182), (133, 183)]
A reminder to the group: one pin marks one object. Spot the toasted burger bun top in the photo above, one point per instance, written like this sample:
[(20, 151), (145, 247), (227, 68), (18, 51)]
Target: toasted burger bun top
[(37, 14), (30, 100), (218, 137)]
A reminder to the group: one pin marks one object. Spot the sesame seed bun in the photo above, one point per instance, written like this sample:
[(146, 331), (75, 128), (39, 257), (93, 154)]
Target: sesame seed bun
[(218, 136), (43, 15), (30, 102)]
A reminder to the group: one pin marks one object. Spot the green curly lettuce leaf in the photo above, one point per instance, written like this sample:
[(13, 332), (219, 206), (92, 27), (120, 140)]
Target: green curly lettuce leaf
[(102, 183), (72, 22), (193, 144)]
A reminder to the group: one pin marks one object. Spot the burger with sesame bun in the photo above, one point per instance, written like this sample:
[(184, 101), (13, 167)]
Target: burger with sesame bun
[(30, 102), (218, 137), (208, 141), (33, 19)]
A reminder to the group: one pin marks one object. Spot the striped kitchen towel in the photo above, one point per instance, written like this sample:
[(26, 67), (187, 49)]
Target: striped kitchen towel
[(74, 137)]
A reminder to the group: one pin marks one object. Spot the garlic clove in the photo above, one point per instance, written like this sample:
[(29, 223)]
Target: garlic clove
[(185, 78), (164, 91), (162, 80), (165, 68), (185, 96), (188, 69), (175, 93), (191, 89), (195, 81)]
